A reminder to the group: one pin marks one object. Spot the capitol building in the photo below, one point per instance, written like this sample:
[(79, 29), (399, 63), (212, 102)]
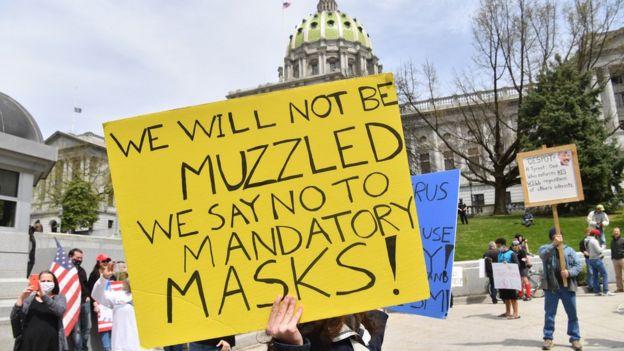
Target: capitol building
[(324, 46)]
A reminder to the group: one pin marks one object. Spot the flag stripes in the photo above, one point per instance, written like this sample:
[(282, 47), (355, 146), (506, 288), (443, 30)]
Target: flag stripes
[(69, 286)]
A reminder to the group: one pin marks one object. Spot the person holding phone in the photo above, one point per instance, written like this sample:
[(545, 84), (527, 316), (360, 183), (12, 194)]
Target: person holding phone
[(40, 309), (125, 335)]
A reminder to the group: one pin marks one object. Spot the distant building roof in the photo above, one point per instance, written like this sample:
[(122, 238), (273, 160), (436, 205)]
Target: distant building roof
[(87, 137)]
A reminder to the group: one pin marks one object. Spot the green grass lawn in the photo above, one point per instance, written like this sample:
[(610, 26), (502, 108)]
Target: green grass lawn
[(472, 238)]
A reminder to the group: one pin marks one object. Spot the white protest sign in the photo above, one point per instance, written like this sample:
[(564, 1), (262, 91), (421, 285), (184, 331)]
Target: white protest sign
[(506, 276), (550, 176), (482, 268), (457, 279)]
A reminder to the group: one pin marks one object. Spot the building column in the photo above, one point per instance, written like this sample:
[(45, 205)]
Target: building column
[(609, 106)]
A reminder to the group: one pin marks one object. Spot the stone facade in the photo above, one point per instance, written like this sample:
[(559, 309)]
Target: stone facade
[(85, 155)]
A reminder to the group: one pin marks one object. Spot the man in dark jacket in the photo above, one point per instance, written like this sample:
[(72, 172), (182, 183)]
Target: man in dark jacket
[(82, 329), (491, 256), (617, 255)]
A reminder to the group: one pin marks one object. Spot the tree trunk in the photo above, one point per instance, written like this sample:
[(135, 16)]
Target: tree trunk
[(500, 196)]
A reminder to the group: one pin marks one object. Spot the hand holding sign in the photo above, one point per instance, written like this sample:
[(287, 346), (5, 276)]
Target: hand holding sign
[(303, 192), (283, 321)]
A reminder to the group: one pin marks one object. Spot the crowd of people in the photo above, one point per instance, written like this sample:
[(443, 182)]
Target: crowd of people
[(559, 283), (37, 316)]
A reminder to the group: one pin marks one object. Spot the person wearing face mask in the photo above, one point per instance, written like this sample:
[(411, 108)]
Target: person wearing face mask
[(40, 310), (125, 336), (82, 329)]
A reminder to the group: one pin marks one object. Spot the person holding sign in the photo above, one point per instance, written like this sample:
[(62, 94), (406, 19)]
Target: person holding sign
[(125, 335), (358, 332), (554, 290), (509, 296), (598, 219)]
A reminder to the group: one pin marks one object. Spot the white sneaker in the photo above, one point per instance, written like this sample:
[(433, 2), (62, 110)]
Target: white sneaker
[(608, 293)]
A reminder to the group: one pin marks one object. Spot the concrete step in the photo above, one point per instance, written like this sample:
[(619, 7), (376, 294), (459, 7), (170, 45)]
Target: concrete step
[(6, 334), (5, 308), (10, 288)]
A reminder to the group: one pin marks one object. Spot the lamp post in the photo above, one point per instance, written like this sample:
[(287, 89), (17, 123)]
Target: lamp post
[(471, 197)]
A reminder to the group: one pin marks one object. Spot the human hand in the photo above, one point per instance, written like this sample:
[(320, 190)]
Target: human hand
[(24, 295), (224, 345), (557, 240), (565, 274), (283, 321)]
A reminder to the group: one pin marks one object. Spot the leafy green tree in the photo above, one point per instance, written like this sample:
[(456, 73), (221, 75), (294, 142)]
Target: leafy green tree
[(80, 205), (563, 108)]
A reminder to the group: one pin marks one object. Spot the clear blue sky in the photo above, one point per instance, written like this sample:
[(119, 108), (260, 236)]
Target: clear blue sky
[(116, 59)]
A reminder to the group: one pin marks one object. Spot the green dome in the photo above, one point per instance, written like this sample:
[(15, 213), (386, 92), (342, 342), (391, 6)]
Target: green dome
[(330, 25)]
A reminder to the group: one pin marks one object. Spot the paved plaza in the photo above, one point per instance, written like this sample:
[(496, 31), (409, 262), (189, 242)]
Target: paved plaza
[(477, 327)]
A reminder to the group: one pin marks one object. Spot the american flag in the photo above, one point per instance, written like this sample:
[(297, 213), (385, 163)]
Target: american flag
[(69, 285), (105, 317)]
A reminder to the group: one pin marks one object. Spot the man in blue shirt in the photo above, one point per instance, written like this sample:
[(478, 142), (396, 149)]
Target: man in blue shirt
[(555, 291)]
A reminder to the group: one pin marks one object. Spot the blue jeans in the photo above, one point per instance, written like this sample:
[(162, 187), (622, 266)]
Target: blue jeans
[(590, 276), (551, 301), (80, 333), (174, 347), (199, 347), (106, 340), (598, 268)]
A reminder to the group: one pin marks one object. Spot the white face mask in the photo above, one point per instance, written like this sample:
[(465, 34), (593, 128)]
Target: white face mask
[(46, 287)]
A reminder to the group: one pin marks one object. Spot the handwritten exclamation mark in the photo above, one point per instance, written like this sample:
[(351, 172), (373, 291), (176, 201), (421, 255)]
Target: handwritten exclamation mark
[(448, 249), (391, 248)]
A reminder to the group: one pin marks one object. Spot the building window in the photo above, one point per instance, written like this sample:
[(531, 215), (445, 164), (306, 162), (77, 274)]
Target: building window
[(296, 71), (351, 68), (332, 62), (9, 183), (370, 67), (473, 156), (478, 200), (76, 167), (619, 100), (314, 67), (449, 160), (508, 200), (617, 79), (110, 223), (425, 163)]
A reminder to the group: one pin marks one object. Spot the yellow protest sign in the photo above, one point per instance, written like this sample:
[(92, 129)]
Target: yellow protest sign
[(226, 205)]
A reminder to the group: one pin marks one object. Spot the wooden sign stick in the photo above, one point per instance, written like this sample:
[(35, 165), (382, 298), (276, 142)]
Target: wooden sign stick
[(562, 261)]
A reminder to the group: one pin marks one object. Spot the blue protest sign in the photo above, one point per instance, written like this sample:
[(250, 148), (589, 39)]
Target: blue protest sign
[(436, 196)]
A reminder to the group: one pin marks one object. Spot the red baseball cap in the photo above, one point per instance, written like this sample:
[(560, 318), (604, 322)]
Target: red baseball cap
[(594, 232), (102, 257)]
